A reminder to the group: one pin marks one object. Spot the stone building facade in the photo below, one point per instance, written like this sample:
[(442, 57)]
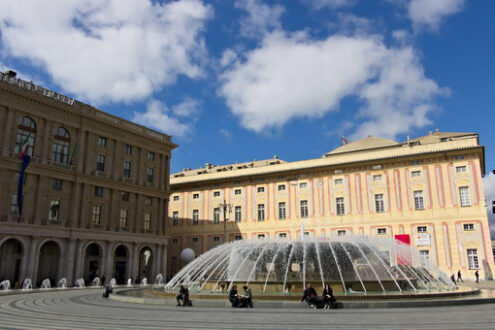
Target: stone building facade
[(95, 193), (427, 191)]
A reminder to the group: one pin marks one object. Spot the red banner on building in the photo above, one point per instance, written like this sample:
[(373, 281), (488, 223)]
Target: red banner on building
[(404, 250)]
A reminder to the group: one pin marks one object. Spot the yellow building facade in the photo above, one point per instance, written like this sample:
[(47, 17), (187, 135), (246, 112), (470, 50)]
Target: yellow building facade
[(427, 191)]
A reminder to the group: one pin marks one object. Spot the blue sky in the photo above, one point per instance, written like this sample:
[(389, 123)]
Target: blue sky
[(243, 80)]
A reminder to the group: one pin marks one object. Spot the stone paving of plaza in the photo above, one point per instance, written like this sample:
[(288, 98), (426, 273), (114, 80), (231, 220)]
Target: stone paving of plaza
[(86, 309)]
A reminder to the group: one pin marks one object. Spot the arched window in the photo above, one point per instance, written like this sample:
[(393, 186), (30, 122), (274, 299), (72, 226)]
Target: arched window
[(26, 129), (60, 150)]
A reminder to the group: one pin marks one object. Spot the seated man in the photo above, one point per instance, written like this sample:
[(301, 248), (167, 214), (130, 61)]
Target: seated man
[(310, 296), (107, 292), (246, 298), (184, 296)]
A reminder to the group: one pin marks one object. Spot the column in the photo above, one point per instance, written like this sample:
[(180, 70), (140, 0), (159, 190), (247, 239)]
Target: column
[(108, 263), (7, 132), (71, 259), (45, 147)]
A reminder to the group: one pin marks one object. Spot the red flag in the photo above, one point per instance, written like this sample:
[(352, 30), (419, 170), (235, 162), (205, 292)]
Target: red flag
[(344, 140)]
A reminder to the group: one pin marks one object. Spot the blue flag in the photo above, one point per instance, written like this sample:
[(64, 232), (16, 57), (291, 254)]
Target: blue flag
[(25, 162)]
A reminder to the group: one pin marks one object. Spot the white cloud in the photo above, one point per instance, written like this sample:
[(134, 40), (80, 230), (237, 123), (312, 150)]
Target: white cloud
[(332, 4), (158, 116), (430, 13), (187, 108), (261, 17), (291, 76), (107, 50), (226, 134), (489, 185)]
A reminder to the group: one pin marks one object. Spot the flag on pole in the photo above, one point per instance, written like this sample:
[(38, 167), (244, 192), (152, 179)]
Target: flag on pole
[(73, 156), (344, 140), (25, 162), (25, 146)]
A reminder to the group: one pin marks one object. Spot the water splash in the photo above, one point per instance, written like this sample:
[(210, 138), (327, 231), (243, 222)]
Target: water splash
[(129, 282), (158, 280), (5, 285), (113, 282), (46, 284), (62, 283), (96, 282), (80, 283), (27, 284), (144, 281)]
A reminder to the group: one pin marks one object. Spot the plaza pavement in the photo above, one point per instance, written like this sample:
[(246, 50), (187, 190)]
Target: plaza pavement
[(86, 309)]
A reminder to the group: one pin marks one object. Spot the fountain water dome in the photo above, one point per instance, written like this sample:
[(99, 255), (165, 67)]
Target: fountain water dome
[(350, 264), (80, 283), (27, 284), (62, 283), (129, 282), (96, 282), (5, 285), (46, 284)]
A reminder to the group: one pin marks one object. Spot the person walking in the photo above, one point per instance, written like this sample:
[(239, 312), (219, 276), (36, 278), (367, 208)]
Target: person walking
[(459, 277), (477, 274)]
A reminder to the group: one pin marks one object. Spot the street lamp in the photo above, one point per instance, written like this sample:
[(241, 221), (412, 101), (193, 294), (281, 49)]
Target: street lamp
[(225, 206)]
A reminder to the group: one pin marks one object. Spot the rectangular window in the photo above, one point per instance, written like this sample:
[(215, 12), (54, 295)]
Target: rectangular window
[(13, 205), (338, 181), (57, 184), (100, 163), (195, 240), (151, 155), (195, 196), (149, 175), (261, 212), (425, 258), (281, 211), (127, 169), (98, 191), (216, 215), (340, 206), (175, 241), (460, 169), (216, 194), (303, 185), (123, 218), (421, 229), (261, 189), (173, 263), (377, 177), (237, 237), (473, 258), (124, 195), (216, 239), (418, 200), (465, 197), (53, 213), (147, 221), (459, 157), (304, 209), (96, 215), (238, 214), (176, 198), (379, 205), (102, 142), (282, 235), (261, 236), (148, 201), (195, 217), (381, 231), (238, 192), (340, 232), (415, 174), (281, 187), (175, 218), (128, 149), (469, 226)]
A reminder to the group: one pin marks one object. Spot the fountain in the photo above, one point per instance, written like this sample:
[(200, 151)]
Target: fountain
[(27, 284), (352, 265), (46, 284), (144, 281), (129, 282), (113, 282), (5, 285), (96, 282), (80, 283), (158, 280), (62, 283)]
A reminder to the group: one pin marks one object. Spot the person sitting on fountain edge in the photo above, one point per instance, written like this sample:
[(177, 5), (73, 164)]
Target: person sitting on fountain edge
[(246, 298), (184, 296), (328, 297), (234, 297), (310, 296), (107, 292)]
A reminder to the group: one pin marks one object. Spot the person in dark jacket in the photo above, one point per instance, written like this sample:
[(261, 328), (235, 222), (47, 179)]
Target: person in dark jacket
[(183, 295), (107, 292), (328, 297), (459, 277), (246, 297), (234, 297), (310, 296), (477, 274)]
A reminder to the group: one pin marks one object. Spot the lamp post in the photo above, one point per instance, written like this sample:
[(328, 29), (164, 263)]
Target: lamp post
[(225, 206)]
